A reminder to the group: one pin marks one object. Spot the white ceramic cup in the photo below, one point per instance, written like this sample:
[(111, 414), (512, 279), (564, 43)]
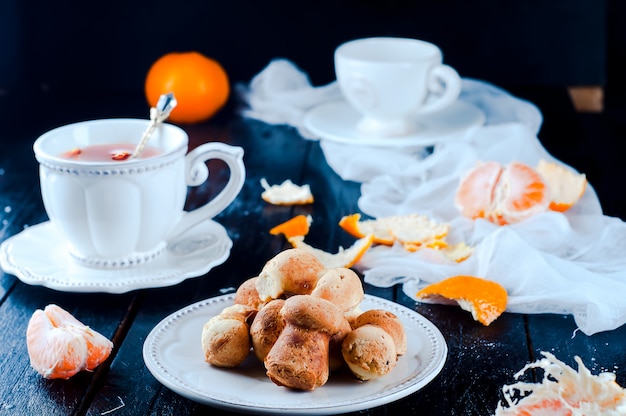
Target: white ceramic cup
[(123, 213), (391, 81)]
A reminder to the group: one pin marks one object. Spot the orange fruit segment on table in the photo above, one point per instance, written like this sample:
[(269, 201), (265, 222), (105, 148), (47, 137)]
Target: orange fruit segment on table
[(485, 299), (566, 186), (502, 194), (286, 193), (475, 194), (199, 83), (59, 345), (296, 226)]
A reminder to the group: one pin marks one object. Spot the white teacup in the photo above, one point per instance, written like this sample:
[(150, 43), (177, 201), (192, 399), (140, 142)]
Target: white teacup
[(123, 213), (391, 81)]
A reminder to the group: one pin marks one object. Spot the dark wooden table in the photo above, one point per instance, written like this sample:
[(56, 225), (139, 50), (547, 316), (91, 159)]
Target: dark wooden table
[(480, 360)]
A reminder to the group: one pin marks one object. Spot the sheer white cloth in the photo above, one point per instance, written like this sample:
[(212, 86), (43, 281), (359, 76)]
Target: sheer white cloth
[(570, 263)]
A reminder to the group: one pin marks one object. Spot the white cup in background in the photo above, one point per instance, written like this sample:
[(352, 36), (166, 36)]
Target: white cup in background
[(391, 81), (115, 214)]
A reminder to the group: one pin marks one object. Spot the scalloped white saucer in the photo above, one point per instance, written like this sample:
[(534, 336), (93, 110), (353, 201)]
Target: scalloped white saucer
[(173, 354), (337, 121), (37, 256)]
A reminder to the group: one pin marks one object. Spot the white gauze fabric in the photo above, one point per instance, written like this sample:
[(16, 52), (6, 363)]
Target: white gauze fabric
[(566, 263)]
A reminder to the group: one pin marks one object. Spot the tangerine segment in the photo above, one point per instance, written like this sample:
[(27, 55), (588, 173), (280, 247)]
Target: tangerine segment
[(59, 345), (343, 258), (502, 195), (296, 226), (287, 193), (475, 194), (566, 186), (485, 299), (411, 230), (520, 194)]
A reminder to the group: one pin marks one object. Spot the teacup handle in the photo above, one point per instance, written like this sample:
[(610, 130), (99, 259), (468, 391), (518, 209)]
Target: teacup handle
[(197, 172), (446, 75)]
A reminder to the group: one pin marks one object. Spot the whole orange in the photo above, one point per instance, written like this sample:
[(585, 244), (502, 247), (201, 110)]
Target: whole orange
[(200, 85)]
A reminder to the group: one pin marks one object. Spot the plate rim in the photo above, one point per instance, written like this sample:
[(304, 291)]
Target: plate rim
[(439, 352), (411, 140)]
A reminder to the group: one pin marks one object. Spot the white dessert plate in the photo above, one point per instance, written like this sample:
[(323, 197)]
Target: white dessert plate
[(337, 121), (173, 354), (37, 256)]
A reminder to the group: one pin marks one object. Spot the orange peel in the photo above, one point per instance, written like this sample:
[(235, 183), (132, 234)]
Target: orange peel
[(411, 230), (458, 252), (485, 299), (566, 186), (347, 257), (296, 226), (353, 225), (286, 193), (563, 391)]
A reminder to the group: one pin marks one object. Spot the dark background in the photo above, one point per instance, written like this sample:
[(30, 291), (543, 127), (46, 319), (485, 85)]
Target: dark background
[(79, 47), (69, 53)]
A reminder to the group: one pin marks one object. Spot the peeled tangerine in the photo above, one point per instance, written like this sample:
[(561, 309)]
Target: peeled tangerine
[(60, 346), (485, 299), (514, 192)]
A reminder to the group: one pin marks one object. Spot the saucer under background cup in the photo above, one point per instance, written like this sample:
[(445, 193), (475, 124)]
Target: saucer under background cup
[(337, 121)]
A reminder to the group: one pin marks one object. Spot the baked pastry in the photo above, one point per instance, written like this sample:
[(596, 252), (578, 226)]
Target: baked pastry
[(342, 287), (304, 321), (369, 352), (290, 272), (388, 322), (299, 358), (247, 294), (266, 328), (226, 337)]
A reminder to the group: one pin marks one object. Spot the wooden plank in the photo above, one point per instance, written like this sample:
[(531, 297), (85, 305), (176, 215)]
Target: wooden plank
[(558, 335), (480, 360), (20, 386)]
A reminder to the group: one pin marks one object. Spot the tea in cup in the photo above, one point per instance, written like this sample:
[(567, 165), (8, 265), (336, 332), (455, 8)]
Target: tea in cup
[(391, 81), (117, 211)]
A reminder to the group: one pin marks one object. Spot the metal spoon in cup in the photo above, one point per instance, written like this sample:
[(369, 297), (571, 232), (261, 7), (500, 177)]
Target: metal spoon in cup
[(158, 114)]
